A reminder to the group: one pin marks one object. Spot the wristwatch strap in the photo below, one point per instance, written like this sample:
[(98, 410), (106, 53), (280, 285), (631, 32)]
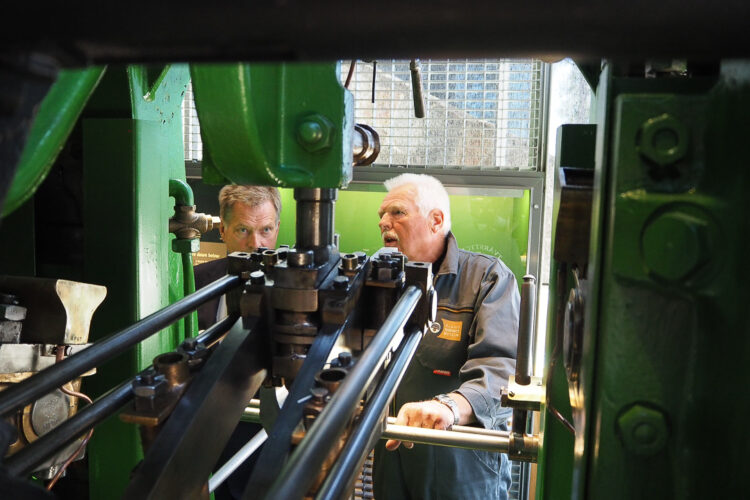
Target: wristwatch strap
[(448, 401)]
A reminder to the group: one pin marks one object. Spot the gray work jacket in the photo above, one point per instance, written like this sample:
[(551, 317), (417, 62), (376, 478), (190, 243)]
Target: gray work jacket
[(473, 349), (472, 352)]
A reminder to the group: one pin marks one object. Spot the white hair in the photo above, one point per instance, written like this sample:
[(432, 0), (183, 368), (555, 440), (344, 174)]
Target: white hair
[(431, 195)]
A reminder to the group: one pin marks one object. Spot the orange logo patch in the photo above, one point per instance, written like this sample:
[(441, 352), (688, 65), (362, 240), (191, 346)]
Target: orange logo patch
[(451, 330)]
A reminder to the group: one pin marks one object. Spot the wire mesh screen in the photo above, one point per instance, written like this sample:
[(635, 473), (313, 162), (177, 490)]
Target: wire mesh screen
[(480, 114), (191, 131)]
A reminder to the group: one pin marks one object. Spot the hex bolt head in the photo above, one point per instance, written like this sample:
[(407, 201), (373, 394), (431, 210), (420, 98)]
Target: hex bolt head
[(642, 429), (345, 359), (663, 139), (314, 132), (674, 245)]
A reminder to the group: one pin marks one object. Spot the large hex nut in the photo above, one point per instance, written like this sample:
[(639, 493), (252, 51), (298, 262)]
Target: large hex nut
[(315, 132), (663, 140), (674, 245), (642, 429)]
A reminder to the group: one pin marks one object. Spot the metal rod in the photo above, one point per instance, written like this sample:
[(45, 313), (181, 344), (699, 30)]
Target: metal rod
[(526, 330), (28, 458), (315, 215), (475, 441), (524, 354), (416, 88), (213, 333), (364, 436), (34, 387), (237, 459), (394, 431), (298, 473)]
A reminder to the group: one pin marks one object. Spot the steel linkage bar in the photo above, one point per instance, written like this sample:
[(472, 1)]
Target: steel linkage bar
[(295, 478), (186, 449), (23, 393), (275, 451), (28, 458), (368, 430)]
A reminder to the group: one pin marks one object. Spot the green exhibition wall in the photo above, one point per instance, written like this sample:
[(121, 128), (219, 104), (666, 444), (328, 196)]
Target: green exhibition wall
[(493, 225)]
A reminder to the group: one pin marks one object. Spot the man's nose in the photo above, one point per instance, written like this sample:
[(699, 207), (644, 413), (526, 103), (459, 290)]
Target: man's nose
[(385, 223), (254, 242)]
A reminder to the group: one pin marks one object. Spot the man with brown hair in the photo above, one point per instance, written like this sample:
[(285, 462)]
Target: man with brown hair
[(250, 218)]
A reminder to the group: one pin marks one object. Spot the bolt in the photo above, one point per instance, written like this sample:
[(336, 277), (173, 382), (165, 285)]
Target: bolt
[(345, 359), (663, 139), (314, 132), (349, 262), (189, 344), (642, 429), (340, 282), (258, 278), (675, 244)]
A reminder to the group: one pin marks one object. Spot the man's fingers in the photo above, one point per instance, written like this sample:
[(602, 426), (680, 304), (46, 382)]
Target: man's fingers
[(392, 444)]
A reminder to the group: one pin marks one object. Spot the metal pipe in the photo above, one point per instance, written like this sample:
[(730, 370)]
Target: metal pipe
[(181, 192), (237, 459), (188, 280), (34, 387), (28, 458), (366, 433), (314, 217), (300, 470)]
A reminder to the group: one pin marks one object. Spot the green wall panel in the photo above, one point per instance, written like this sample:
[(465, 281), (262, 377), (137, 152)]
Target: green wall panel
[(492, 225)]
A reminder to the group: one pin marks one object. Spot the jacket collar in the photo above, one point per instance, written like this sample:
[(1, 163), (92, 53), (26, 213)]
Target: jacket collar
[(450, 262)]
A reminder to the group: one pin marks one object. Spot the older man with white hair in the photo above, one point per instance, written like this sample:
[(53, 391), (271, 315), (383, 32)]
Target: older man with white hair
[(462, 363)]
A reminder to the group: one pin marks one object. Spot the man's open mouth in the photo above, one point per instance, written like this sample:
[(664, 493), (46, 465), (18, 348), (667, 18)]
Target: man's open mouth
[(390, 240)]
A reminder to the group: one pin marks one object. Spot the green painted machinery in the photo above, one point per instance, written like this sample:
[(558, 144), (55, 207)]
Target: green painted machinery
[(651, 333)]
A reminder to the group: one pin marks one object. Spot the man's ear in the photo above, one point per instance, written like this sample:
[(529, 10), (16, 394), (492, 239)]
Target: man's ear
[(221, 230), (436, 220)]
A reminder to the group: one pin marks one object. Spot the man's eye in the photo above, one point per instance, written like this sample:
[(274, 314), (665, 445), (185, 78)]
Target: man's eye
[(242, 230), (267, 230)]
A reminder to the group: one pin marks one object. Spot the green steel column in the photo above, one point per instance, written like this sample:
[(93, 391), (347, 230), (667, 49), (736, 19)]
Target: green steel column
[(666, 336), (132, 148)]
